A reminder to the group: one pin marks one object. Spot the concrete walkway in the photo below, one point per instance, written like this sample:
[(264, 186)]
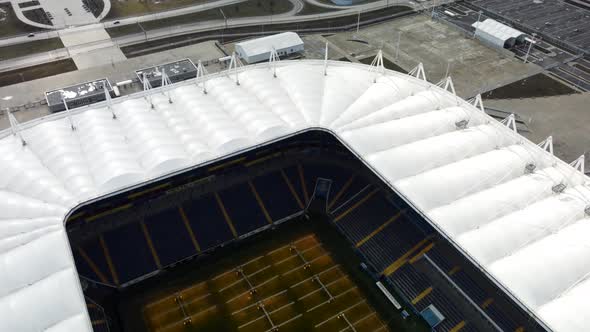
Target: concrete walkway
[(565, 117)]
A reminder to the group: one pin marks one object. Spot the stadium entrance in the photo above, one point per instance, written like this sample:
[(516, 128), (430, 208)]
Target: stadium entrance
[(273, 239)]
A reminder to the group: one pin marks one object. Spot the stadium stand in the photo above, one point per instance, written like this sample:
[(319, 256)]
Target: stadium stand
[(239, 204), (168, 225), (92, 264), (97, 316), (207, 222), (134, 258), (275, 195), (293, 175)]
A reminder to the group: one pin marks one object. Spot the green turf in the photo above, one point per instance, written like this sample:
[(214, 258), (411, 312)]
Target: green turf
[(245, 9), (539, 85), (210, 271), (120, 9), (36, 72), (39, 46), (10, 25)]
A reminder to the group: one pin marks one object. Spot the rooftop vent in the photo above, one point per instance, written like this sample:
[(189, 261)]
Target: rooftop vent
[(461, 124), (530, 168), (559, 188)]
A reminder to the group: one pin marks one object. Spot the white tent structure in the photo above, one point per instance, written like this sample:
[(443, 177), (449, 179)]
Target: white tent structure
[(508, 204), (497, 34), (259, 49)]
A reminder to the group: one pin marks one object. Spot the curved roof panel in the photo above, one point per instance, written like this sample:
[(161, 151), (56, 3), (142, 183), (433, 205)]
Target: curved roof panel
[(468, 174)]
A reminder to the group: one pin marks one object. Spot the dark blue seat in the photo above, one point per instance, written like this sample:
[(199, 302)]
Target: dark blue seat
[(338, 175), (129, 252), (367, 217), (95, 253), (243, 209), (170, 236), (292, 174), (276, 196), (358, 183), (84, 268), (207, 222)]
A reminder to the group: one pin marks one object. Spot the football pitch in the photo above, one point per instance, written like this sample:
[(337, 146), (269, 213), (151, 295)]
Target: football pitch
[(296, 286)]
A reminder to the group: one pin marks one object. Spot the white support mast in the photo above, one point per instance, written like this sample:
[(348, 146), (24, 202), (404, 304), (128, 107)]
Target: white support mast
[(547, 144), (165, 83), (478, 102), (377, 65), (510, 122), (326, 60), (15, 127), (68, 114), (449, 86), (418, 72), (579, 164), (107, 97), (272, 61), (146, 87), (201, 74), (234, 64)]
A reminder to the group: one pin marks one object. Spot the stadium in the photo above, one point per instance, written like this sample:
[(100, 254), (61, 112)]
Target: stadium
[(468, 224)]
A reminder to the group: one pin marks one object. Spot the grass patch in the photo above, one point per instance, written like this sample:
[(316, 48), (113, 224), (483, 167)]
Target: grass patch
[(120, 9), (539, 85), (10, 25), (39, 46), (124, 30), (245, 9), (309, 9), (36, 72)]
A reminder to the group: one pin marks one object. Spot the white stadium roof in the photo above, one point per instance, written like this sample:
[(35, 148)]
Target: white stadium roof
[(468, 174)]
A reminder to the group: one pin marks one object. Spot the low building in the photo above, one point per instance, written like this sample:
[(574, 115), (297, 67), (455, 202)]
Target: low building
[(497, 34), (77, 95), (177, 71), (259, 49)]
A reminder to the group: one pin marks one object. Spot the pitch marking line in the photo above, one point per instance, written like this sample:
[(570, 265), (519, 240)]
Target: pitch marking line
[(270, 313), (302, 265), (253, 304), (291, 256), (174, 308), (364, 318), (317, 274), (231, 285), (174, 296), (285, 322), (319, 289), (245, 292), (242, 265), (342, 312)]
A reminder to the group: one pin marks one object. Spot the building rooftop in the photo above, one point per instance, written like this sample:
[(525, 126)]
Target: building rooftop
[(73, 92), (173, 69), (266, 44)]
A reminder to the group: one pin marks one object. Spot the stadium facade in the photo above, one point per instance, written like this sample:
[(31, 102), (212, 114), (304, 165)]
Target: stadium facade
[(510, 206)]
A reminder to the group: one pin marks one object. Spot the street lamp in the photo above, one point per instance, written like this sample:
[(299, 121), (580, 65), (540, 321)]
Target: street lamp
[(531, 42), (6, 98)]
